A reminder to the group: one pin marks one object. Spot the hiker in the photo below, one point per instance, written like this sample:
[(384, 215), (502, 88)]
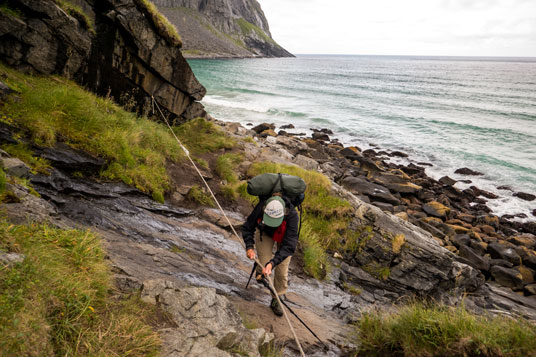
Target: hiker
[(277, 222)]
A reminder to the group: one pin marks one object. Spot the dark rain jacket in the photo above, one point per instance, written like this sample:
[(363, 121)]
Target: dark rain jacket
[(290, 239)]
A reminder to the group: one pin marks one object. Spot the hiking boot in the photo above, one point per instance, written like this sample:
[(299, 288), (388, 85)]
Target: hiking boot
[(276, 307)]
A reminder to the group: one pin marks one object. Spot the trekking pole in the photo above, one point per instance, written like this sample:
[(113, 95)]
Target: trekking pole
[(252, 272), (265, 283)]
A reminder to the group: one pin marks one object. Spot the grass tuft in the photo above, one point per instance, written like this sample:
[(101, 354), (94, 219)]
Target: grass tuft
[(198, 195), (226, 165), (165, 28), (427, 330), (202, 136), (57, 301), (77, 12)]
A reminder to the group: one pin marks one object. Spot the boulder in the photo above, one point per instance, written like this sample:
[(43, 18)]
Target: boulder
[(15, 167), (525, 196), (468, 172), (528, 256), (359, 185), (350, 152), (288, 126), (527, 274), (501, 262), (206, 324), (384, 206), (398, 154), (4, 90), (468, 218), (510, 278), (306, 162), (445, 180), (474, 259), (320, 136), (487, 194), (527, 240), (530, 289), (263, 127), (460, 240), (268, 133), (436, 209), (503, 251), (480, 248)]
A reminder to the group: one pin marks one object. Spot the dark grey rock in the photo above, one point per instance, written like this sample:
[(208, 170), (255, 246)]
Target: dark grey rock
[(506, 252), (66, 158), (445, 180), (320, 136), (263, 127), (525, 196), (467, 171), (501, 263), (510, 278), (288, 126), (460, 240), (474, 259), (360, 185), (384, 206)]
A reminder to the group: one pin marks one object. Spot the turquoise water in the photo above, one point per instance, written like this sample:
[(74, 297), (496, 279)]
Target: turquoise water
[(452, 112)]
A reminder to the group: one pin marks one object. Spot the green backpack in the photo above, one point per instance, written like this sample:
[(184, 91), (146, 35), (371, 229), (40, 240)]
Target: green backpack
[(292, 187), (265, 185)]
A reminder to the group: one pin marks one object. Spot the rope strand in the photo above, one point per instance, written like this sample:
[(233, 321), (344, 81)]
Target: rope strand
[(241, 241)]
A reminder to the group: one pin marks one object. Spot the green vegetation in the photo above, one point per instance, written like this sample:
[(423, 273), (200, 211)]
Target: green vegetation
[(315, 258), (6, 9), (76, 12), (325, 217), (54, 109), (427, 330), (165, 28), (198, 195), (271, 350), (57, 301), (201, 136), (23, 152), (247, 27), (3, 180), (226, 165)]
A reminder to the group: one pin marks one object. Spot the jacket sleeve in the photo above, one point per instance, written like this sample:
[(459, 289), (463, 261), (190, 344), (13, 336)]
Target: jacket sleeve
[(248, 229), (290, 240)]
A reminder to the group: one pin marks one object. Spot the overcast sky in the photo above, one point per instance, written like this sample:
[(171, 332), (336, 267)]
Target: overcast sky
[(404, 27)]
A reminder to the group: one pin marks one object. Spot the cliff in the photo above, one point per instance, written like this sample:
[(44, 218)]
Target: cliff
[(116, 48), (222, 28)]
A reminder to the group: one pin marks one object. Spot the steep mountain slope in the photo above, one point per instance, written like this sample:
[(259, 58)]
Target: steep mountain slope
[(222, 28), (117, 48)]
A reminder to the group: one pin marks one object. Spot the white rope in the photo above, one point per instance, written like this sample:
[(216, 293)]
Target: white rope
[(240, 240)]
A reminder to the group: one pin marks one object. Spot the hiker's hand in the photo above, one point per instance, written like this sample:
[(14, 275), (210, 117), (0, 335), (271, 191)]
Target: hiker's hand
[(267, 270), (251, 254)]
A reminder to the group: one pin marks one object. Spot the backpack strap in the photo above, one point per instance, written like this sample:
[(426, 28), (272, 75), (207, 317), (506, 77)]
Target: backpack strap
[(275, 184)]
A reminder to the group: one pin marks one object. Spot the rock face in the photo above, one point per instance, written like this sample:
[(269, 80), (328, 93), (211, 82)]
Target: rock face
[(222, 28), (207, 323), (119, 52)]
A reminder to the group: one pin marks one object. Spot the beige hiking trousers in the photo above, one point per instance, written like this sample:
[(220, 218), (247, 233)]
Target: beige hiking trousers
[(265, 253)]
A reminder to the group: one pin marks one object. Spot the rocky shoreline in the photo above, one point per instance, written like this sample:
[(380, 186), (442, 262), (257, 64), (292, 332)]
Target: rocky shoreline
[(501, 248)]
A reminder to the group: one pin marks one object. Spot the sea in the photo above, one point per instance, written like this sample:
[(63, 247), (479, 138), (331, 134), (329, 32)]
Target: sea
[(452, 112)]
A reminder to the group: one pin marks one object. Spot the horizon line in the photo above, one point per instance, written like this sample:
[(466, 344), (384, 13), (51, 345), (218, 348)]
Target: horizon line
[(406, 55)]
